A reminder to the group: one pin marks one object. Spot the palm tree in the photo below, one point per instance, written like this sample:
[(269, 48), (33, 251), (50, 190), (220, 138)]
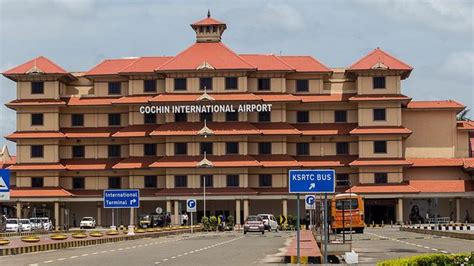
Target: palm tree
[(462, 116)]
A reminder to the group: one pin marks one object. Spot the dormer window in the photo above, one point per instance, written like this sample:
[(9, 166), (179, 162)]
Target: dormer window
[(379, 82), (37, 87)]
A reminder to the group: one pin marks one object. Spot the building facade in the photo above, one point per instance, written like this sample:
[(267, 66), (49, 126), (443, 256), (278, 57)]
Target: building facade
[(79, 133)]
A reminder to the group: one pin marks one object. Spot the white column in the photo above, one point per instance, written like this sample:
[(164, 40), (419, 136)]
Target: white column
[(176, 212), (458, 210), (168, 206), (99, 215), (18, 210), (400, 211), (56, 215), (246, 209), (238, 220)]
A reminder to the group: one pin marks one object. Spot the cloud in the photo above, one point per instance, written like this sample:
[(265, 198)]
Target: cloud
[(459, 64)]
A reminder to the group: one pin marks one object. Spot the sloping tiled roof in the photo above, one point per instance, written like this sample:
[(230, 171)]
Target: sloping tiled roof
[(447, 104), (89, 132), (317, 98), (381, 162), (41, 64), (389, 188), (465, 125), (266, 62), (276, 160), (324, 161), (110, 66), (136, 99), (305, 63), (186, 97), (192, 128), (377, 56), (436, 162), (217, 161), (23, 192), (380, 130), (88, 164), (277, 97), (36, 135), (4, 165), (276, 128), (135, 162), (379, 97), (326, 129), (135, 131), (90, 101), (35, 102), (442, 186), (146, 64), (207, 21), (36, 166)]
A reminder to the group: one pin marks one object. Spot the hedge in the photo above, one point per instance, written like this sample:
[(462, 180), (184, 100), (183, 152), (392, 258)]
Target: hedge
[(431, 260)]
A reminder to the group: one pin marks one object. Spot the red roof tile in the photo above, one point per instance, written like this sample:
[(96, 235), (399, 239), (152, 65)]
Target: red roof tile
[(442, 186), (185, 97), (211, 191), (135, 162), (436, 162), (110, 66), (465, 125), (324, 161), (135, 131), (326, 129), (192, 128), (90, 101), (371, 61), (278, 97), (266, 62), (275, 160), (321, 98), (35, 102), (277, 128), (381, 162), (145, 64), (36, 135), (6, 164), (448, 104), (389, 188), (215, 54), (89, 132), (136, 99), (41, 64), (24, 192), (89, 164), (218, 161), (380, 130), (207, 21), (36, 166), (379, 97), (469, 163), (304, 63)]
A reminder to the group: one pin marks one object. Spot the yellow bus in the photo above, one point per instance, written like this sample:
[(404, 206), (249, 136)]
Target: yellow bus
[(350, 208)]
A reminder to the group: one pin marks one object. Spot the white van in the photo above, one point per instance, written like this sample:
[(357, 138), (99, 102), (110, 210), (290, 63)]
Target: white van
[(270, 222)]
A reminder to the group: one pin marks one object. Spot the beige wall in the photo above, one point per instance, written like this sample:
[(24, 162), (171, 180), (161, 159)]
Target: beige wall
[(50, 119), (435, 173), (367, 174), (365, 85), (51, 90), (50, 151), (393, 114), (366, 147)]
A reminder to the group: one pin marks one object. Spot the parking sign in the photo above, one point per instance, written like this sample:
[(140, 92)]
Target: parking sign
[(310, 202), (191, 205)]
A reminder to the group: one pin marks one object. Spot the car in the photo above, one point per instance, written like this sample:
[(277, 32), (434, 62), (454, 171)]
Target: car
[(25, 225), (88, 222), (254, 223), (13, 225), (46, 223), (36, 223), (270, 222)]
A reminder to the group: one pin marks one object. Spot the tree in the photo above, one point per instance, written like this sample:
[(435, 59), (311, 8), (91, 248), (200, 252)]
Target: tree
[(462, 116)]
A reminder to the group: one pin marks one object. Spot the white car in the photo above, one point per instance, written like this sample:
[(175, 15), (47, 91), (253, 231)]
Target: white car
[(25, 225), (46, 223), (87, 222), (36, 223), (13, 225), (270, 222)]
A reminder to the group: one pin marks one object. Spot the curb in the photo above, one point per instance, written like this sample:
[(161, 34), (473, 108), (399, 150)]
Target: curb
[(440, 227), (459, 235), (79, 243)]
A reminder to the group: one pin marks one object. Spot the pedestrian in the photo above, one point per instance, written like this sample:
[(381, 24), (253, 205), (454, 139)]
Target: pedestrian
[(427, 217), (168, 219), (185, 219), (467, 217), (74, 222), (307, 220)]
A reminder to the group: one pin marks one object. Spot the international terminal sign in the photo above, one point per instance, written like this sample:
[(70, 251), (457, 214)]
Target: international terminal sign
[(205, 108)]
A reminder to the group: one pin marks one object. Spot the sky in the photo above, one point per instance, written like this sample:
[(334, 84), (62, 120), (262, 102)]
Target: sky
[(434, 37)]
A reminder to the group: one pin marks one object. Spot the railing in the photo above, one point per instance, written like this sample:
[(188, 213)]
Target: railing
[(439, 220)]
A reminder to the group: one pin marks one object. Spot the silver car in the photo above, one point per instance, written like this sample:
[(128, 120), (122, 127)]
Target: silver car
[(13, 225), (254, 223), (25, 225)]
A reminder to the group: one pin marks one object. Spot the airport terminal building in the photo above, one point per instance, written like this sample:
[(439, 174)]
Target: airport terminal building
[(234, 124)]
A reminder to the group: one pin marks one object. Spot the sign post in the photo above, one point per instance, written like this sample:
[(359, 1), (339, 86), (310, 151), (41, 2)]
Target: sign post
[(191, 207), (310, 204), (122, 198), (310, 182), (4, 184)]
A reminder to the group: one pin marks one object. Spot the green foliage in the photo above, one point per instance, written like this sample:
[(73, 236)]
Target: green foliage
[(291, 220), (230, 221), (431, 259), (213, 223), (205, 223)]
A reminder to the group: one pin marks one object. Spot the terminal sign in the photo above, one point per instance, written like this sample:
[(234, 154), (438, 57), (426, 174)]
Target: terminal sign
[(122, 198), (311, 181)]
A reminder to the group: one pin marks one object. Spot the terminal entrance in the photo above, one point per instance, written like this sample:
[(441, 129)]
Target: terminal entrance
[(380, 211)]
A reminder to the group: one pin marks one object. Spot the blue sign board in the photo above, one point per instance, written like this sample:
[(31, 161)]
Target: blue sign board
[(310, 202), (191, 205), (4, 184), (311, 181), (121, 198)]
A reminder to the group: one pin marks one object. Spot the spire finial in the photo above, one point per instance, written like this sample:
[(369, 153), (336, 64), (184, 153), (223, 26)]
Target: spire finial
[(208, 13)]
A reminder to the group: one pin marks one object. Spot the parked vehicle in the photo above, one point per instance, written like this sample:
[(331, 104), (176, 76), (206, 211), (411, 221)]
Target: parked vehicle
[(88, 222), (254, 223), (347, 211), (269, 221), (13, 225), (46, 223), (151, 220), (36, 223), (25, 225)]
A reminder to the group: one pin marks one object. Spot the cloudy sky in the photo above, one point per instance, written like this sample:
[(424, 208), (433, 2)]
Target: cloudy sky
[(435, 37)]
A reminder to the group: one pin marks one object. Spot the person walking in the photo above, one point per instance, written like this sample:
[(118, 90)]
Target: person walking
[(74, 222), (185, 219), (467, 217)]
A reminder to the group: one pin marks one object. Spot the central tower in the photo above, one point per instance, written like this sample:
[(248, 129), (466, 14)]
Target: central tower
[(208, 29)]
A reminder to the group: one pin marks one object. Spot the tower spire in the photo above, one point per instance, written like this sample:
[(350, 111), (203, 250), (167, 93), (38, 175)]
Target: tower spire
[(208, 13)]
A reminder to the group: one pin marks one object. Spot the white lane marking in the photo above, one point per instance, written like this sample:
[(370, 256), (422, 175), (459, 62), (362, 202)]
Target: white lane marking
[(165, 259), (84, 255), (157, 262), (73, 257), (174, 257), (112, 250), (445, 252), (47, 261), (95, 253), (60, 259), (34, 264), (404, 242), (103, 251)]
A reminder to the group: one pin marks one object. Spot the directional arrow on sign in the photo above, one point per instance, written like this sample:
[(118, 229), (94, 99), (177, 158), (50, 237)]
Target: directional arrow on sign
[(282, 219), (312, 186)]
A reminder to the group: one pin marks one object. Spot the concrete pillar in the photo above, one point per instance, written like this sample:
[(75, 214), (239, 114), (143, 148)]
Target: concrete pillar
[(458, 210), (18, 210), (132, 216), (246, 209), (176, 212), (284, 207), (99, 215), (238, 220), (168, 206), (400, 211), (62, 222), (56, 215)]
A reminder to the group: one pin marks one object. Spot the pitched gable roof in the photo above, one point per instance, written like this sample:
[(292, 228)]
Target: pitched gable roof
[(207, 21), (146, 64), (266, 62), (40, 64), (379, 59), (110, 66), (305, 63)]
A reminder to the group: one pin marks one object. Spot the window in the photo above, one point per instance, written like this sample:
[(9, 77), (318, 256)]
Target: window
[(380, 178), (340, 116), (379, 114), (36, 119), (37, 182), (264, 117), (37, 87), (78, 151), (114, 151), (232, 148), (36, 151), (264, 148), (151, 181), (149, 85), (302, 85), (342, 179), (77, 120), (114, 120), (149, 118), (231, 116), (115, 182), (205, 116), (180, 117), (380, 146), (302, 148), (205, 83), (78, 183), (149, 149), (180, 181), (379, 82), (263, 84), (207, 179), (265, 180), (302, 116), (342, 148), (206, 147), (180, 84), (232, 180), (181, 148), (114, 88), (231, 83)]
